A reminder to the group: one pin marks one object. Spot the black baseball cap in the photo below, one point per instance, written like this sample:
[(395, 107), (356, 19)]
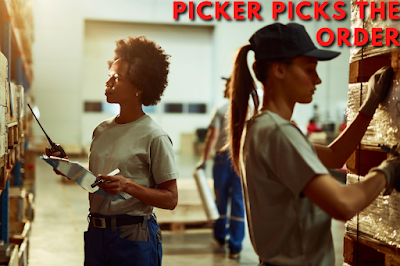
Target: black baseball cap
[(279, 41)]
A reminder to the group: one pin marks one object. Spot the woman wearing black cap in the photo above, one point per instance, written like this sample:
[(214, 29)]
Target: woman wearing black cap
[(289, 194)]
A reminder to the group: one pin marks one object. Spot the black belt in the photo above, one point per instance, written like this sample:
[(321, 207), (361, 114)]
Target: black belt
[(100, 222), (265, 264)]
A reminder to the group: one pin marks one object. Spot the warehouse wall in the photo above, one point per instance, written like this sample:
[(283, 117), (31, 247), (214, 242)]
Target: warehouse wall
[(191, 70), (64, 75)]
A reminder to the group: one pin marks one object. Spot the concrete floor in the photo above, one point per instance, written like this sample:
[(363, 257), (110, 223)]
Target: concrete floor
[(60, 220)]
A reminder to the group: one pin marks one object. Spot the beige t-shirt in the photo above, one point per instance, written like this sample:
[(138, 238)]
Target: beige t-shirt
[(286, 228), (219, 120), (143, 153)]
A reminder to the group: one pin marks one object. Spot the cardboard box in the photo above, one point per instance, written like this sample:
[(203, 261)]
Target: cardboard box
[(3, 146), (20, 101), (12, 115), (17, 204), (3, 79)]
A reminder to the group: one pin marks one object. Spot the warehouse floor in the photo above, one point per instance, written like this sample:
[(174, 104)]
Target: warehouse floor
[(61, 208)]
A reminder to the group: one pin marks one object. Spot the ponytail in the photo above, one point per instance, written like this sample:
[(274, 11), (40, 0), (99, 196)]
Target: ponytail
[(241, 87)]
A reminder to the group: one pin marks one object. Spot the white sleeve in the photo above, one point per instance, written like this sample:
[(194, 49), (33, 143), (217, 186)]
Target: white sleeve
[(215, 119)]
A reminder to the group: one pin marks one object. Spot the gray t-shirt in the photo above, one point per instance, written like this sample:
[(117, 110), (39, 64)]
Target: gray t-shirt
[(141, 150), (218, 120), (286, 228)]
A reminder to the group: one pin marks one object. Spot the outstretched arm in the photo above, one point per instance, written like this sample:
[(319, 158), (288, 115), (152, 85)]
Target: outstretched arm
[(343, 202), (210, 143), (336, 154)]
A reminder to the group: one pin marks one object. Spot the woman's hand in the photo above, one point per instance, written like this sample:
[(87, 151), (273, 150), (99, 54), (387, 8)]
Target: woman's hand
[(391, 168), (378, 88), (113, 185), (201, 164), (55, 154)]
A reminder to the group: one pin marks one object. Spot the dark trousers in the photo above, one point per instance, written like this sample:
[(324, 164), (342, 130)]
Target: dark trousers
[(105, 248), (228, 188)]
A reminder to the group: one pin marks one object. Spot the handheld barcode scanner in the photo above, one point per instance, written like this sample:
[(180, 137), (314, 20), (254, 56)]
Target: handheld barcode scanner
[(54, 147)]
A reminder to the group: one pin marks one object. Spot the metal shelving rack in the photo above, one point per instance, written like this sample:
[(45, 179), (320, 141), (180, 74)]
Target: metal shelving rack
[(20, 72)]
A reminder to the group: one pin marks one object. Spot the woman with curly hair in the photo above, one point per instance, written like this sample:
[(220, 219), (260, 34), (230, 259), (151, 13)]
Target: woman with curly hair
[(125, 232)]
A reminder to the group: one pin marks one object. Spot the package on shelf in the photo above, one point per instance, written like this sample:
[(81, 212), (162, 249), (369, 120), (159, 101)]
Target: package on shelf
[(3, 147), (17, 149), (369, 50), (380, 221), (28, 117), (10, 259), (21, 229), (20, 104), (17, 204), (12, 137), (3, 174), (29, 207), (12, 105), (385, 125), (3, 79), (19, 235), (30, 167), (3, 135), (3, 120), (5, 250), (362, 160), (21, 147), (11, 155)]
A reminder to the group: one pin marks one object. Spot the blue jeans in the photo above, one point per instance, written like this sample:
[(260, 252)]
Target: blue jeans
[(105, 248), (227, 186)]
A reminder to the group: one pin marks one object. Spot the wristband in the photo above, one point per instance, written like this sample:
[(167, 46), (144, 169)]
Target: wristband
[(364, 116)]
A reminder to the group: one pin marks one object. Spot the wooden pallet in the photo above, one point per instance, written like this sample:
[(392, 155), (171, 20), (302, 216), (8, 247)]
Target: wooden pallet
[(182, 226), (189, 213), (362, 71), (367, 253), (365, 158), (184, 217)]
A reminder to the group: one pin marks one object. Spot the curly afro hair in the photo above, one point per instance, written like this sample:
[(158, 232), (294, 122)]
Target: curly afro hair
[(148, 66)]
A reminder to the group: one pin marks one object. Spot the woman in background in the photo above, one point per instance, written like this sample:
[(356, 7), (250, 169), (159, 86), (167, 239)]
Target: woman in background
[(227, 185)]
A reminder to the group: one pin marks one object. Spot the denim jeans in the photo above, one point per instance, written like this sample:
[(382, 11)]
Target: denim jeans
[(105, 248), (227, 187)]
